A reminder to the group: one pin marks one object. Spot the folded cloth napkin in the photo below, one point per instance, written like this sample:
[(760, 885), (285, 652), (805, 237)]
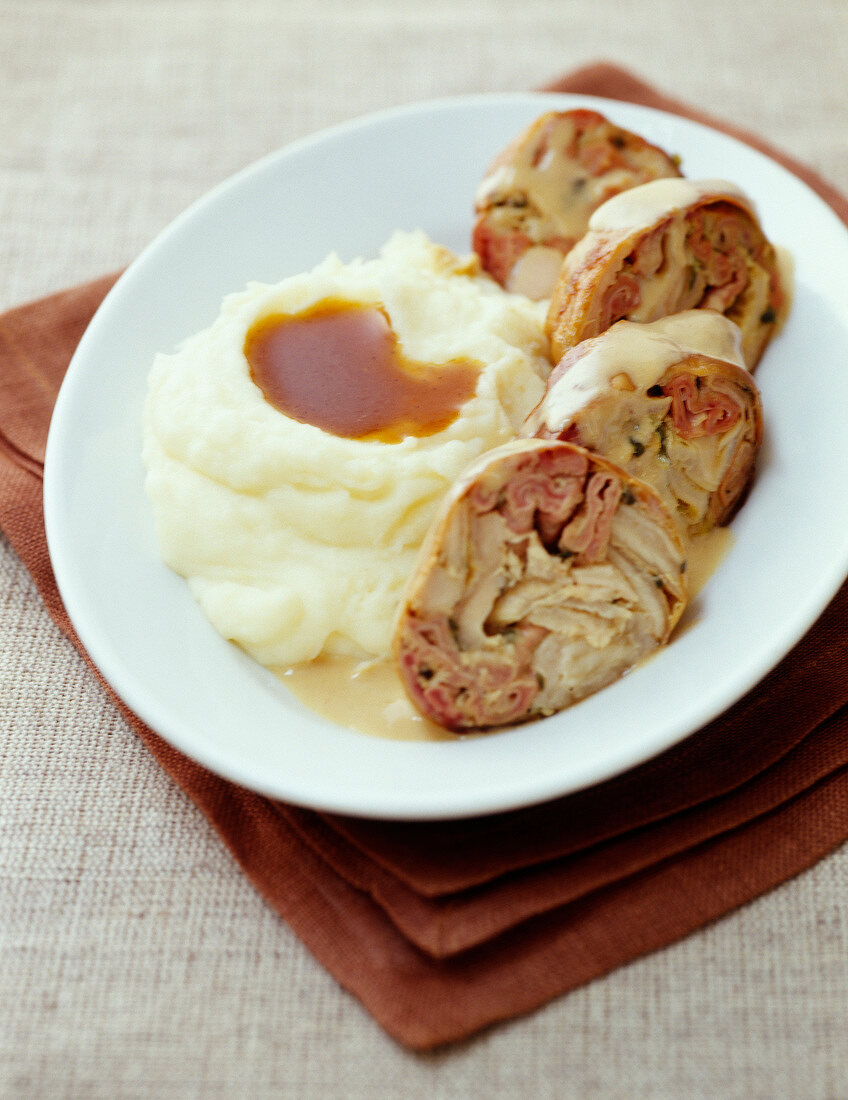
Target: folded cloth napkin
[(443, 928)]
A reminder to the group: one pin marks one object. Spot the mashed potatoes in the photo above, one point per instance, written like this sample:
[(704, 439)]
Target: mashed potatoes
[(296, 542)]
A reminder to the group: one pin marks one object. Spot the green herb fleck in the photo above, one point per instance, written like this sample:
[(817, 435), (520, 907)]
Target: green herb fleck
[(768, 317)]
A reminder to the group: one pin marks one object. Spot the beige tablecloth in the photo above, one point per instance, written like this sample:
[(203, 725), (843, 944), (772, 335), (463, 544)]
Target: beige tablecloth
[(135, 960)]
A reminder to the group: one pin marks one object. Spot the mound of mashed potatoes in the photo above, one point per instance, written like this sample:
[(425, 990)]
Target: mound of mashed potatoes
[(296, 542)]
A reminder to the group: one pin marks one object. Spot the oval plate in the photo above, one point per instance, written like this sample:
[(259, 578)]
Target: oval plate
[(346, 190)]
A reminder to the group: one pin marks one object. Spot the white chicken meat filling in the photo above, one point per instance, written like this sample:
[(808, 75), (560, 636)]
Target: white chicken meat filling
[(601, 617)]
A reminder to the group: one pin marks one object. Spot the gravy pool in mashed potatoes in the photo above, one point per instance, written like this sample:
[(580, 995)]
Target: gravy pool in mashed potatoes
[(297, 542)]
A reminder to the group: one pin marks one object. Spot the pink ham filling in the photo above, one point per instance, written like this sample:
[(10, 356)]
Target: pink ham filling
[(623, 296), (698, 412), (545, 494), (461, 695), (718, 230), (587, 534), (718, 238)]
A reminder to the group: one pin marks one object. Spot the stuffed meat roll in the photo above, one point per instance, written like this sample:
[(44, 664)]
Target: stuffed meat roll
[(665, 247), (547, 574), (535, 200), (671, 402)]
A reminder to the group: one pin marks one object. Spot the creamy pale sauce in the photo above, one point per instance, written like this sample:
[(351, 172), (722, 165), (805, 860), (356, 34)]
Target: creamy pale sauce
[(704, 554), (786, 268), (704, 331), (563, 191), (641, 354), (363, 695), (649, 203), (368, 697)]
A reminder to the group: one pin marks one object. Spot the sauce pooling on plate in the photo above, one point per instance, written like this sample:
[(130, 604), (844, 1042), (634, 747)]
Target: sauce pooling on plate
[(339, 367)]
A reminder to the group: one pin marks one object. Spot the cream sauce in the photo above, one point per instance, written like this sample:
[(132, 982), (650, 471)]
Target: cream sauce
[(641, 353), (704, 554), (563, 192), (704, 331), (786, 269), (648, 204), (366, 696)]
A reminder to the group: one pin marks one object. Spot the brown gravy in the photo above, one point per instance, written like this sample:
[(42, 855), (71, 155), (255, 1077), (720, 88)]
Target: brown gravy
[(338, 366)]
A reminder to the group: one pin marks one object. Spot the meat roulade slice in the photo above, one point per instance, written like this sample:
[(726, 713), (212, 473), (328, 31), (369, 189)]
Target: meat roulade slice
[(535, 200), (547, 574), (665, 247), (671, 402)]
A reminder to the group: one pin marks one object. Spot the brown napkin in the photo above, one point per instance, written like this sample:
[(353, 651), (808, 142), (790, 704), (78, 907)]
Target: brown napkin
[(443, 928)]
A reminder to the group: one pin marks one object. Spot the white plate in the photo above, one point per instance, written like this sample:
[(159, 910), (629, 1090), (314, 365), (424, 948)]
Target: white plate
[(346, 190)]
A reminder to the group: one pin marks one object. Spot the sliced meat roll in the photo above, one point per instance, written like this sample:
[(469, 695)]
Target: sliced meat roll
[(535, 200), (671, 402), (548, 573), (665, 247)]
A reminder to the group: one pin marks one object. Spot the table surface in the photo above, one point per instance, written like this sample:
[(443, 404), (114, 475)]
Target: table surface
[(135, 960)]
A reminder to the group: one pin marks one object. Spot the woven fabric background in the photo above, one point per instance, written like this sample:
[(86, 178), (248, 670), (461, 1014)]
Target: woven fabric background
[(135, 960)]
